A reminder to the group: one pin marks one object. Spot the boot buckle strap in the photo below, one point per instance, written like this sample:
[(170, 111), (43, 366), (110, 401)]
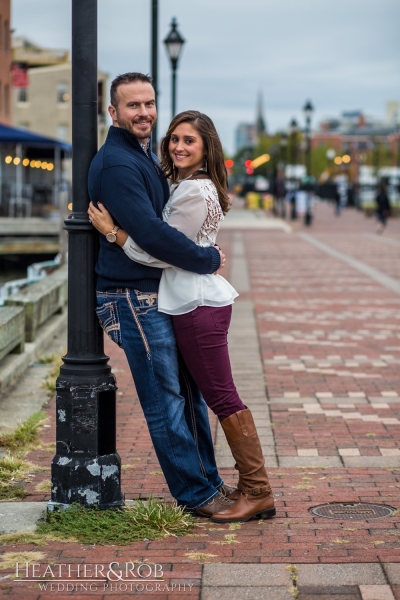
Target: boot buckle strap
[(257, 490)]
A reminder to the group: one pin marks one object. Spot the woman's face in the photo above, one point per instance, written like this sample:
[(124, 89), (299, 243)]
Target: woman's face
[(186, 149)]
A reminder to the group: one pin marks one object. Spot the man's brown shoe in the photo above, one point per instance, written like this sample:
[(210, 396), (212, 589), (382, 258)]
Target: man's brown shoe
[(229, 492), (217, 504)]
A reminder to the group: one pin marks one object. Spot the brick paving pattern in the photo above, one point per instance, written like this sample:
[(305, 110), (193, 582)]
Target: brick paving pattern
[(326, 394)]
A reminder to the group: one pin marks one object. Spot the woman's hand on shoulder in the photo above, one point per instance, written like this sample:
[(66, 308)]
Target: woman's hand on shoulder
[(100, 218)]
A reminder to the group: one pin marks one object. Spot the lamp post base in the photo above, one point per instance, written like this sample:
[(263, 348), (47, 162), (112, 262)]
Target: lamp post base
[(86, 467), (90, 481)]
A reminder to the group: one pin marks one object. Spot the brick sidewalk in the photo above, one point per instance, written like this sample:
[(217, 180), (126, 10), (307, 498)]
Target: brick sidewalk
[(316, 353)]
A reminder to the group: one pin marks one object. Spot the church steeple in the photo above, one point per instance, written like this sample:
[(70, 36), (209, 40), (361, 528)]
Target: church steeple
[(261, 127)]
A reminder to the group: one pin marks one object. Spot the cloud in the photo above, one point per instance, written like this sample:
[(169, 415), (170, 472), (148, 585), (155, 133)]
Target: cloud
[(342, 54)]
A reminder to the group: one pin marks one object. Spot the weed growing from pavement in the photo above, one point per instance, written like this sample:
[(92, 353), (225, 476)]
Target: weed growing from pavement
[(149, 520), (294, 590), (29, 537), (44, 486), (13, 469), (9, 559), (48, 359), (50, 381), (25, 435), (202, 557), (229, 539)]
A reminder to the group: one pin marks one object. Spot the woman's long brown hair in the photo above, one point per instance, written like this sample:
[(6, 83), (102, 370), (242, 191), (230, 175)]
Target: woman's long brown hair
[(212, 148)]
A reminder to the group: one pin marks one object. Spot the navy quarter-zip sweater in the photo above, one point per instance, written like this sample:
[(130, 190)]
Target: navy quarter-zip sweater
[(133, 188)]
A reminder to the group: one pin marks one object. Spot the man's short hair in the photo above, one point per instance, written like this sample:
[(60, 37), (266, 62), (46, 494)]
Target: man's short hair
[(126, 78)]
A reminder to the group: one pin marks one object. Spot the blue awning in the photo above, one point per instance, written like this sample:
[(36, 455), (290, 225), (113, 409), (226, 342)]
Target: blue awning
[(13, 135)]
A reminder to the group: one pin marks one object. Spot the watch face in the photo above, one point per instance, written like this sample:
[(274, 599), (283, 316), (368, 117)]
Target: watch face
[(111, 237)]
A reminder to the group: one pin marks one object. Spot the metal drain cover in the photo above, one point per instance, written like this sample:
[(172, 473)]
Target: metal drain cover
[(355, 511)]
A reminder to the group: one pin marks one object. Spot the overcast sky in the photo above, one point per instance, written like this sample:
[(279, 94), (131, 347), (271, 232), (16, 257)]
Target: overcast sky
[(343, 55)]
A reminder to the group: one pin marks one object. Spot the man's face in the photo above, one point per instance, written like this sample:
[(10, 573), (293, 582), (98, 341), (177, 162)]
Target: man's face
[(136, 111)]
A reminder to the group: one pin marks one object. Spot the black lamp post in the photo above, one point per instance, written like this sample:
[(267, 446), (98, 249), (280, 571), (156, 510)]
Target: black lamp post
[(154, 64), (308, 110), (173, 43), (293, 130), (86, 467)]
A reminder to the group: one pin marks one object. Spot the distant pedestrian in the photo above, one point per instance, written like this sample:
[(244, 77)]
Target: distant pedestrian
[(382, 208), (338, 203)]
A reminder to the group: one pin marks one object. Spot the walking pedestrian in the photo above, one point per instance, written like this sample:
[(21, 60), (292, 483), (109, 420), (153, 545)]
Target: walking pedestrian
[(382, 208), (201, 305), (127, 179)]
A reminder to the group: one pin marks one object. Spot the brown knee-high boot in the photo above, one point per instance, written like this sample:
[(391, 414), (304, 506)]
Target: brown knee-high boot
[(256, 498)]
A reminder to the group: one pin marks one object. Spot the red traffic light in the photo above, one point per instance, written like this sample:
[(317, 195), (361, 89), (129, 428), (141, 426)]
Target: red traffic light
[(249, 170), (229, 163), (247, 163)]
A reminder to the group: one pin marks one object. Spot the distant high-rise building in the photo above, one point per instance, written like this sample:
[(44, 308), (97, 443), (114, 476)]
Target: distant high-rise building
[(392, 112), (245, 136), (5, 63)]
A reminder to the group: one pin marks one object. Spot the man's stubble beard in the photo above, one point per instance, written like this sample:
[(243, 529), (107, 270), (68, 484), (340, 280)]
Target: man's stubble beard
[(128, 126)]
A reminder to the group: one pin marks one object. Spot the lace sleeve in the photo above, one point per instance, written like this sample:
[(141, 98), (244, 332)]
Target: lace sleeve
[(188, 209)]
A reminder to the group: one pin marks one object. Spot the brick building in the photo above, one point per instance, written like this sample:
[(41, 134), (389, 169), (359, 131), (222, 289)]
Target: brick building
[(5, 63)]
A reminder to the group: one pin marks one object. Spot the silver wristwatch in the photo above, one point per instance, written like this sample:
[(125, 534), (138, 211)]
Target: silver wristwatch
[(111, 237)]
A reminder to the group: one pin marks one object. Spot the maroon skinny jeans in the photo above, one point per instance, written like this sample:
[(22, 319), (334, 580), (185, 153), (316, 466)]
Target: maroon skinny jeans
[(202, 338)]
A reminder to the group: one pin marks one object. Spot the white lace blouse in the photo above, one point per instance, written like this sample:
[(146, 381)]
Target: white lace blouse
[(193, 208)]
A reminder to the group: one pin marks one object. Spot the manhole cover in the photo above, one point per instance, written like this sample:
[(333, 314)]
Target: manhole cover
[(355, 511)]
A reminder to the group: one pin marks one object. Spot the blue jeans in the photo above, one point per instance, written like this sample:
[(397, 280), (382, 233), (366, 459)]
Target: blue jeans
[(174, 409)]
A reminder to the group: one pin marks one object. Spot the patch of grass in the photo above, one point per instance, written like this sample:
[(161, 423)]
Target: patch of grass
[(377, 543), (29, 537), (24, 537), (202, 557), (44, 486), (229, 539), (340, 541), (156, 473), (9, 559), (234, 526), (50, 381), (151, 519), (12, 470), (11, 491), (25, 435), (47, 360)]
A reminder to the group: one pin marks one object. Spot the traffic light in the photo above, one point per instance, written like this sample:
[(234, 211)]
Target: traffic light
[(247, 163), (229, 163)]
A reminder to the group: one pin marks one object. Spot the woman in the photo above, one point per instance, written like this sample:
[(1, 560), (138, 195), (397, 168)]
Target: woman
[(201, 305)]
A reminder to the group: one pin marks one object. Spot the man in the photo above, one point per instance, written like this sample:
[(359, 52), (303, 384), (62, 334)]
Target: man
[(127, 179)]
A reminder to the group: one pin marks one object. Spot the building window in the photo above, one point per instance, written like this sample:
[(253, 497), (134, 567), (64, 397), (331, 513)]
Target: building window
[(6, 36), (7, 100), (23, 94), (62, 93), (62, 132)]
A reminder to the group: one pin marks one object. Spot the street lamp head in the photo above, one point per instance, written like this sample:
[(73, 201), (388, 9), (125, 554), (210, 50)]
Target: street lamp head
[(293, 126), (308, 109), (174, 42)]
